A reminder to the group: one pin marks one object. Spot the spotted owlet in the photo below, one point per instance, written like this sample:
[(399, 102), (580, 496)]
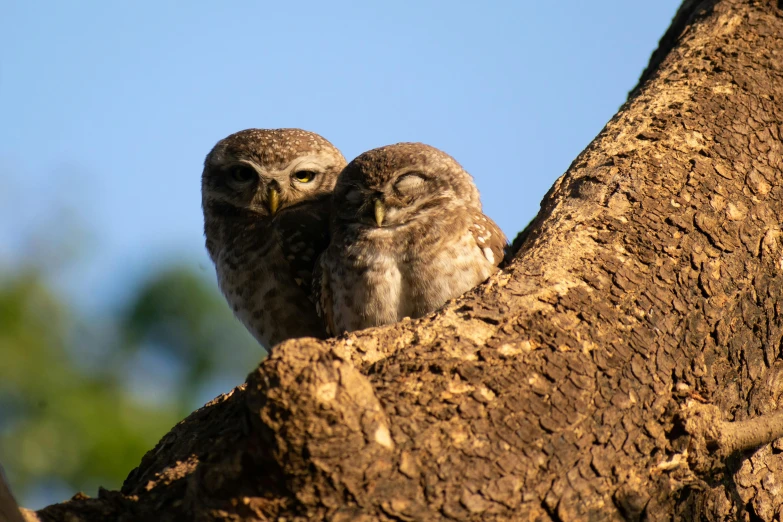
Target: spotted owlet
[(266, 196), (408, 234)]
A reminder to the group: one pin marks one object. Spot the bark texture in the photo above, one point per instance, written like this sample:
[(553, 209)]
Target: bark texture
[(605, 374)]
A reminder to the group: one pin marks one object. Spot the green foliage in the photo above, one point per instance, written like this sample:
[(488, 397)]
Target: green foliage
[(81, 400)]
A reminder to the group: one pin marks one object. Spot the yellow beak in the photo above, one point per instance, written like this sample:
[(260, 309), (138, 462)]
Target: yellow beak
[(380, 212), (273, 200)]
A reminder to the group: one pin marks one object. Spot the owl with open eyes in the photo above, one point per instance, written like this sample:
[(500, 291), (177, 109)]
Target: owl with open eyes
[(266, 196), (407, 235)]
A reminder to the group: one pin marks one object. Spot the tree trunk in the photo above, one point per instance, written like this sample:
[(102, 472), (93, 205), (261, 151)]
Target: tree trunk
[(603, 375), (9, 510)]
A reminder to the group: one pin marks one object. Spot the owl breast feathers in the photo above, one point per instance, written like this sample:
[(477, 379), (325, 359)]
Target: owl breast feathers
[(266, 196), (407, 235)]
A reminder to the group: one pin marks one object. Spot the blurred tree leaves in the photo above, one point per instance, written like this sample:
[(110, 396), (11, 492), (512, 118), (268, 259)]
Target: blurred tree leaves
[(82, 399), (189, 324)]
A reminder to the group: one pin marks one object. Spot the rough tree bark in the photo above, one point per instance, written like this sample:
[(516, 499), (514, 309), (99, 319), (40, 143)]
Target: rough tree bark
[(603, 375)]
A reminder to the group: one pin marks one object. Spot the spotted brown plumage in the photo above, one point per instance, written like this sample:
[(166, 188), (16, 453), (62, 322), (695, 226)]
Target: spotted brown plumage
[(407, 235), (266, 196)]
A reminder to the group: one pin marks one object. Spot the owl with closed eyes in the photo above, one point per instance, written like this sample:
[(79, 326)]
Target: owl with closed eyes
[(407, 235), (266, 197)]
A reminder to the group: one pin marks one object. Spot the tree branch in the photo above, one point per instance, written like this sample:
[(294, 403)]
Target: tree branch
[(9, 510), (714, 439)]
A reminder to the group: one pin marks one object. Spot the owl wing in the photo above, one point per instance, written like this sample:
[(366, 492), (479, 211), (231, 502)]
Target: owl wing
[(303, 237), (321, 294), (489, 238)]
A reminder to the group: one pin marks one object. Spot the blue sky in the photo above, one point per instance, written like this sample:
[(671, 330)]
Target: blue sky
[(109, 108)]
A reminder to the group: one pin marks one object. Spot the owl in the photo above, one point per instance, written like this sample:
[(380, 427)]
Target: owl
[(266, 195), (407, 235)]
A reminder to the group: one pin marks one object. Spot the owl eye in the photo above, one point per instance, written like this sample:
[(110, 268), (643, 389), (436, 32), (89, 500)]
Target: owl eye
[(354, 196), (243, 174), (409, 182), (304, 176)]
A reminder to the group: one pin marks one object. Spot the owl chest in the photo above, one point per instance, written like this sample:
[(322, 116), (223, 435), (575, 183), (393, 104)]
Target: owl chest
[(372, 293), (445, 272), (246, 280), (263, 295), (392, 285)]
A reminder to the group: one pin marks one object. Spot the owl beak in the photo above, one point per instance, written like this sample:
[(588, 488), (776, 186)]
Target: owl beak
[(380, 212), (273, 200)]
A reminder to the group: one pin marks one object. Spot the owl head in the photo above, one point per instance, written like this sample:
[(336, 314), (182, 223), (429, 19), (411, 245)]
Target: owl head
[(261, 173), (395, 185)]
